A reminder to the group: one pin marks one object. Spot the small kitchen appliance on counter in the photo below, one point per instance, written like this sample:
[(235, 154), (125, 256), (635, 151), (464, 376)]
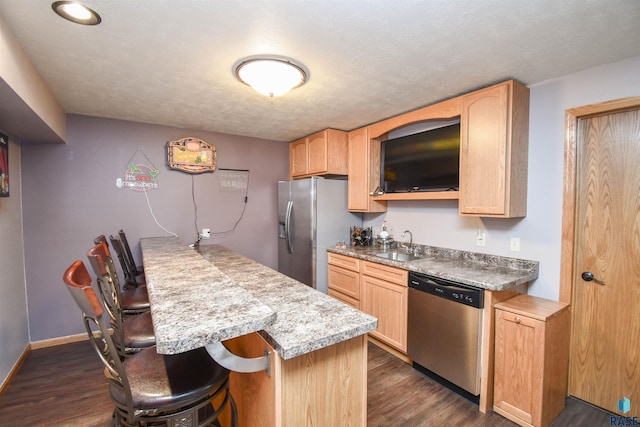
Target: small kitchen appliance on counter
[(361, 236)]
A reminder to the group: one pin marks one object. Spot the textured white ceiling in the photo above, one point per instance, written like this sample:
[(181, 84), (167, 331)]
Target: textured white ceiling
[(171, 61)]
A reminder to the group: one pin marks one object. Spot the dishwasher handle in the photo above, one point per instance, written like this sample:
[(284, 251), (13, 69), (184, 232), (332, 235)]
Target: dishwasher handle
[(446, 289)]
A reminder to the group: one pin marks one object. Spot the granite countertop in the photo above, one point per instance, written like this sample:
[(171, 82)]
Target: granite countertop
[(214, 294), (193, 303), (492, 272), (307, 319)]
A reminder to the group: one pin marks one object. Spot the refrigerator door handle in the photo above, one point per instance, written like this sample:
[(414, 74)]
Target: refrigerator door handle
[(287, 227)]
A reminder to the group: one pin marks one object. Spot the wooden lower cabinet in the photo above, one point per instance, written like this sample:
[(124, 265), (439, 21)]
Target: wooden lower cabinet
[(531, 359), (343, 279), (327, 387), (384, 295)]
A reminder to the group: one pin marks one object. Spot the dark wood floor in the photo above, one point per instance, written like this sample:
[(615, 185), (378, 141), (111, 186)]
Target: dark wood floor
[(65, 386)]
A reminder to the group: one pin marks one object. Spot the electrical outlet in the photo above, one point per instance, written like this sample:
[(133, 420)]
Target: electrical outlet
[(481, 238), (515, 244), (206, 233)]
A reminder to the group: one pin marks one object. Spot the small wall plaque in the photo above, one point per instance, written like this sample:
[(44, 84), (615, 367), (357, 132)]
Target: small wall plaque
[(191, 155)]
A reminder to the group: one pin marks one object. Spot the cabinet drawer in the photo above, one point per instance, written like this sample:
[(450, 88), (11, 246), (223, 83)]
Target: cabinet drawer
[(518, 319), (344, 261), (385, 272), (344, 281), (344, 298)]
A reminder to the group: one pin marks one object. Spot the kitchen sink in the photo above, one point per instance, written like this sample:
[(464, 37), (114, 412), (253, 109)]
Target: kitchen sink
[(399, 256)]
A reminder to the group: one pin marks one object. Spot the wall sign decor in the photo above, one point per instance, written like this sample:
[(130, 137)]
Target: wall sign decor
[(140, 174), (191, 155), (4, 165)]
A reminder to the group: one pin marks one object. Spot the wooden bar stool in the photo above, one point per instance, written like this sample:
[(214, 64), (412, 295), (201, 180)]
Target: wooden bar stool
[(132, 333), (149, 388)]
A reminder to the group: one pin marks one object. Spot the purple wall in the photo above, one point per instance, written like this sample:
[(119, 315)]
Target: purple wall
[(70, 196)]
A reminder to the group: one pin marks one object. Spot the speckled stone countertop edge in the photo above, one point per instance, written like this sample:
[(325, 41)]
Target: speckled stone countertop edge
[(178, 279), (491, 272), (246, 297), (307, 319), (318, 344)]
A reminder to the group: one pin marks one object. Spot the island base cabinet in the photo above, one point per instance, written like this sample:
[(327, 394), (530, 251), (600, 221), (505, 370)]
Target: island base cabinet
[(531, 359), (327, 387)]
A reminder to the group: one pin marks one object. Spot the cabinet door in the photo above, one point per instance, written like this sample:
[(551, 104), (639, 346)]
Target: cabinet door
[(298, 157), (317, 151), (483, 145), (494, 151), (518, 365), (387, 302), (364, 172)]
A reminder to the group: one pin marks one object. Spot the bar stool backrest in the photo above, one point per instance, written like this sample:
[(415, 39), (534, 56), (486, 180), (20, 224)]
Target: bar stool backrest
[(128, 254), (104, 269), (127, 269), (78, 283)]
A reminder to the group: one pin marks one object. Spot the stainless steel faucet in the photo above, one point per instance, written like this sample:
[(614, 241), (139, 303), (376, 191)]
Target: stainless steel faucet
[(410, 248)]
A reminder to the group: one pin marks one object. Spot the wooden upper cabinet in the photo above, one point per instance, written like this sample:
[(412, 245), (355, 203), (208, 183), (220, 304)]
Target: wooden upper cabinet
[(298, 157), (364, 172), (494, 151), (322, 153)]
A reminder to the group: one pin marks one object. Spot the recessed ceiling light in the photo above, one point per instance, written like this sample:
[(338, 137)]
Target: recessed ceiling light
[(271, 76), (76, 12)]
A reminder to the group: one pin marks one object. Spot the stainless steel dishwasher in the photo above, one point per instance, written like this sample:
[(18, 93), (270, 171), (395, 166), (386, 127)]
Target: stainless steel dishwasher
[(445, 332)]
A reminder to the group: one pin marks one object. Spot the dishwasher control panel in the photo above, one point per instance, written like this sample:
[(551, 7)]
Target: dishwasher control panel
[(447, 289)]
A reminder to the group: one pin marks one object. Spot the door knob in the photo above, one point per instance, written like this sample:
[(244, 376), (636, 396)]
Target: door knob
[(588, 276)]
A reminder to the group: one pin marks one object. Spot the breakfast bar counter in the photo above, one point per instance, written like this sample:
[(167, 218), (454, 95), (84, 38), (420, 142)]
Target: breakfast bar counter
[(316, 346)]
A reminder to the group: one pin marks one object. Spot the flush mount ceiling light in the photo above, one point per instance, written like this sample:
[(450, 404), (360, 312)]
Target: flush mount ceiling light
[(76, 12), (270, 76)]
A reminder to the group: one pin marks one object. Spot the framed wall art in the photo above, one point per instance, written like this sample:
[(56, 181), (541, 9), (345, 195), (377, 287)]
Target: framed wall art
[(4, 165), (191, 155)]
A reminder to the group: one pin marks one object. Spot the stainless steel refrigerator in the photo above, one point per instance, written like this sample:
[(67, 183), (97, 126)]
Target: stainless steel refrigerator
[(312, 215)]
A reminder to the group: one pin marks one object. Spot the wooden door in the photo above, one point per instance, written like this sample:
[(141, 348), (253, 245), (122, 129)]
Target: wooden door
[(605, 341)]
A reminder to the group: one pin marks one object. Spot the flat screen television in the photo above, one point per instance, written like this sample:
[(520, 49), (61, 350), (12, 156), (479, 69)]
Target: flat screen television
[(424, 161)]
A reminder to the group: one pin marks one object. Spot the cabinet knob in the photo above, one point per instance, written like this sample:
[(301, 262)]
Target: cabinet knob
[(517, 319)]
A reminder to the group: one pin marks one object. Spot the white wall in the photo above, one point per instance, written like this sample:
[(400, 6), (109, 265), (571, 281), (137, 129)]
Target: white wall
[(14, 325), (437, 223)]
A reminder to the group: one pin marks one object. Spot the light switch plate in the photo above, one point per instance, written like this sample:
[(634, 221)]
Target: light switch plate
[(515, 244)]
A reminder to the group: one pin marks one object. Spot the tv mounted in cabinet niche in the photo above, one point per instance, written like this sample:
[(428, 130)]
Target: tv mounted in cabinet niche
[(426, 160)]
